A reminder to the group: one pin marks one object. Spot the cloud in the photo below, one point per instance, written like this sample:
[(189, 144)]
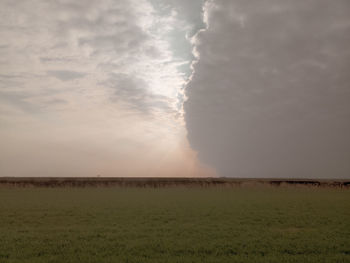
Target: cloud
[(83, 82), (89, 42), (133, 92), (66, 75), (270, 92)]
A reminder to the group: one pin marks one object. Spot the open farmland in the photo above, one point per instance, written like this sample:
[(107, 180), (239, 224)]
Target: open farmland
[(174, 224)]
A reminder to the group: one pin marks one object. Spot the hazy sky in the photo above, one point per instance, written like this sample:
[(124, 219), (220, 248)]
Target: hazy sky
[(257, 88)]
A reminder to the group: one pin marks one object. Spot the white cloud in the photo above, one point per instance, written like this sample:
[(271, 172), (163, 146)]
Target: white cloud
[(83, 82)]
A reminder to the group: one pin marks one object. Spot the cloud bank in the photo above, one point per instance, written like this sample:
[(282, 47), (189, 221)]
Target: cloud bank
[(270, 92), (94, 87)]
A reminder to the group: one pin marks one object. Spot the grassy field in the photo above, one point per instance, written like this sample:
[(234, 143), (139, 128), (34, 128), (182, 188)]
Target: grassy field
[(174, 225)]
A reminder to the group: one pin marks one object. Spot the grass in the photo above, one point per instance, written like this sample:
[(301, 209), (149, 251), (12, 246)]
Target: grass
[(174, 225)]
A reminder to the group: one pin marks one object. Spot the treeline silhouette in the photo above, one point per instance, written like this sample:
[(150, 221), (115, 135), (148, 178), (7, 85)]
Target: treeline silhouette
[(164, 182)]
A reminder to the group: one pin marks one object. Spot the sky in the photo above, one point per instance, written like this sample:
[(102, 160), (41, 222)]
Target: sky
[(237, 88)]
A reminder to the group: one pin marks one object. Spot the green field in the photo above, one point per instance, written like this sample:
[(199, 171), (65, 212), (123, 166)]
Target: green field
[(174, 225)]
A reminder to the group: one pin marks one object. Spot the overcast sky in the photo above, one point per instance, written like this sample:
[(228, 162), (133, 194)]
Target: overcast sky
[(257, 88)]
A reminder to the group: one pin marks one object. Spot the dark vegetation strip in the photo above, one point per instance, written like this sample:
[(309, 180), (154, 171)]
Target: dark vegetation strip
[(164, 182)]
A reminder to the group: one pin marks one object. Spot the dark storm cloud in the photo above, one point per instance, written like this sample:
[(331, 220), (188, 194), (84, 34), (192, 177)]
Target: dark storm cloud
[(270, 93)]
